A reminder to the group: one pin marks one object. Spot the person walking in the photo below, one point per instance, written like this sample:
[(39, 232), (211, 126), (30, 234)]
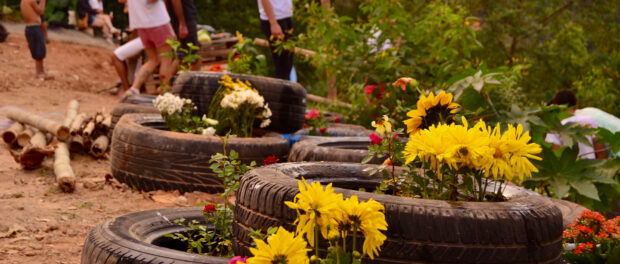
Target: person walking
[(276, 18)]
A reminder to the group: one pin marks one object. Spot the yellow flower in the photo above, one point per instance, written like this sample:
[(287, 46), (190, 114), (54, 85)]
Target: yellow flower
[(383, 126), (240, 37), (281, 248), (429, 145), (431, 110), (402, 82), (368, 217), (469, 147), (511, 152), (314, 205)]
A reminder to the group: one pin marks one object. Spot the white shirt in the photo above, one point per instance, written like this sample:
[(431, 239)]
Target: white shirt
[(96, 4), (143, 14), (281, 9), (585, 151)]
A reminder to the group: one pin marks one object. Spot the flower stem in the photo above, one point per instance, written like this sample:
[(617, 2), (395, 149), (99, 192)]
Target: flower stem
[(316, 236)]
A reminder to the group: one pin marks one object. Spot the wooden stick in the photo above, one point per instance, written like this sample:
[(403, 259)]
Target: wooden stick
[(88, 130), (10, 135), (99, 146), (33, 154), (72, 109), (265, 43), (316, 98), (76, 125), (62, 168), (76, 144), (60, 131), (23, 138)]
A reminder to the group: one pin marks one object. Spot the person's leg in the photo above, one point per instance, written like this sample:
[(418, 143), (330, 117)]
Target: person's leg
[(285, 60), (166, 67), (108, 21), (147, 68), (100, 22), (121, 70), (39, 68)]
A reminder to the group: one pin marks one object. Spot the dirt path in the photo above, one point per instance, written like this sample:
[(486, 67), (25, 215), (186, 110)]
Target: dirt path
[(39, 223)]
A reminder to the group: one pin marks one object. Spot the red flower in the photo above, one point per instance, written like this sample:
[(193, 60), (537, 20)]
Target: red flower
[(375, 139), (380, 95), (336, 119), (312, 114), (369, 88), (236, 57), (270, 160), (215, 68), (395, 137), (209, 208), (323, 130)]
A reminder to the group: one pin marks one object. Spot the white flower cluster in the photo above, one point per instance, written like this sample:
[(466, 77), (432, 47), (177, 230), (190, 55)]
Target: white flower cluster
[(209, 121), (266, 114), (239, 96), (209, 131), (169, 103)]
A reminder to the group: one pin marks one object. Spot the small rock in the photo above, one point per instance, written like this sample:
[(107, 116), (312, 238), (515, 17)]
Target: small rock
[(72, 208), (75, 250), (88, 184), (181, 200), (39, 237), (20, 208), (29, 253), (51, 228), (36, 246)]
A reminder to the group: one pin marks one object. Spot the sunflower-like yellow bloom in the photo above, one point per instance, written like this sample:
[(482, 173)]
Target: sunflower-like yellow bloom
[(281, 248), (431, 110), (383, 127), (368, 217), (314, 205), (511, 152), (454, 145)]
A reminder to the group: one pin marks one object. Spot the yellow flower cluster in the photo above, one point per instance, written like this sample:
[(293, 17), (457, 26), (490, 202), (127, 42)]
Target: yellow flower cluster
[(336, 217), (384, 126), (479, 147), (281, 247), (431, 110)]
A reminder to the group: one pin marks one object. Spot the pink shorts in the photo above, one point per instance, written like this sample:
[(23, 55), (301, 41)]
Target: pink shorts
[(156, 37)]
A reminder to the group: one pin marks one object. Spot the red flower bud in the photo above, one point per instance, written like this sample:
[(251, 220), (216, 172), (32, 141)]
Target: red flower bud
[(336, 120), (209, 208), (323, 130), (270, 160)]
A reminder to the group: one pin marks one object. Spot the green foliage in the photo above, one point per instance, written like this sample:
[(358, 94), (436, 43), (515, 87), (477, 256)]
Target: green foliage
[(57, 10), (190, 54), (246, 59)]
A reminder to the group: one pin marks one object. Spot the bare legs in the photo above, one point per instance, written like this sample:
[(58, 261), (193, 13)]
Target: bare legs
[(121, 69), (105, 23), (40, 71), (155, 57)]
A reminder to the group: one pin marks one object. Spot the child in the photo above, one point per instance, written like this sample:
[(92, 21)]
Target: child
[(32, 11)]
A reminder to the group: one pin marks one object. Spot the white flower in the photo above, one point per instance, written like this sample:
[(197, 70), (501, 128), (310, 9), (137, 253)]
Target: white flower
[(266, 112), (265, 123), (209, 131), (171, 109), (209, 121), (188, 101)]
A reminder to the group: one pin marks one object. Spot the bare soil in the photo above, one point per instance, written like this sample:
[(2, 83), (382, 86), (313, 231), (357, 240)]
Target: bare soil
[(38, 222)]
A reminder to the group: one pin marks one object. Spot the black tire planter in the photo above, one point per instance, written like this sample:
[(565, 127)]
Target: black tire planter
[(340, 130), (526, 228), (3, 33), (127, 108), (569, 210), (140, 99), (287, 100), (138, 238), (148, 158), (341, 149)]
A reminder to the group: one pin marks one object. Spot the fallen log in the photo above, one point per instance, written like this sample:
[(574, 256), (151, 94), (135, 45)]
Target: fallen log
[(23, 138), (77, 124), (88, 129), (62, 168), (10, 135), (76, 144), (44, 124), (72, 109), (99, 146)]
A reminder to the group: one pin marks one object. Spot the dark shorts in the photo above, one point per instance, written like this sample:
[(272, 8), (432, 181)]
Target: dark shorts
[(192, 37), (36, 41)]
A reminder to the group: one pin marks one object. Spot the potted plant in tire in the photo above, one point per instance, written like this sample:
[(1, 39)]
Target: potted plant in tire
[(171, 151), (454, 202)]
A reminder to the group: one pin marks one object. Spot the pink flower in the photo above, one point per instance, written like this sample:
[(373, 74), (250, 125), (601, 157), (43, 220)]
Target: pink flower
[(237, 260), (313, 113), (369, 88), (323, 130), (209, 208), (336, 120), (375, 139)]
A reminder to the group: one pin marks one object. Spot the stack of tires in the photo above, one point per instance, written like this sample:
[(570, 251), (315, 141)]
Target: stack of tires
[(147, 157)]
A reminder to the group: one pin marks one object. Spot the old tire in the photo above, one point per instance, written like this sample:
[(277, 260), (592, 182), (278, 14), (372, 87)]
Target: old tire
[(138, 238), (569, 210), (525, 229), (147, 157), (340, 130), (287, 100), (140, 99), (3, 33), (341, 149), (126, 108)]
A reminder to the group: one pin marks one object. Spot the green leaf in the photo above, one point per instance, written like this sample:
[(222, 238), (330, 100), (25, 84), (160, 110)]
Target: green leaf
[(367, 159), (560, 187), (586, 188)]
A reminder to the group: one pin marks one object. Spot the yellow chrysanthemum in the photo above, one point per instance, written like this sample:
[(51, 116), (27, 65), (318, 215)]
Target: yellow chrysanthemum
[(428, 144), (511, 152), (369, 219), (281, 248), (431, 110), (314, 205), (383, 127)]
